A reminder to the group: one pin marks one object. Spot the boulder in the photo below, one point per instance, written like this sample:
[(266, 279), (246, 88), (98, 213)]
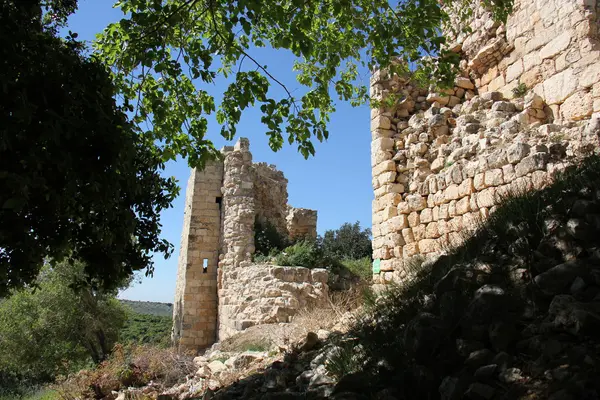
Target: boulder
[(558, 280)]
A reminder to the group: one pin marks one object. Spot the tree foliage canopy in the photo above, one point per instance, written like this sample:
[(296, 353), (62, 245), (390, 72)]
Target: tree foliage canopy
[(76, 175), (54, 329), (349, 241), (166, 54)]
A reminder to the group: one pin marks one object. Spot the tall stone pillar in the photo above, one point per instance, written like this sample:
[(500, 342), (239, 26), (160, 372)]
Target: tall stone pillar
[(195, 308), (238, 229)]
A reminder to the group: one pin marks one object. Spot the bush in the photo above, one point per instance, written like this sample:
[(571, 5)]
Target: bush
[(55, 329), (128, 366), (302, 254), (267, 239), (362, 268)]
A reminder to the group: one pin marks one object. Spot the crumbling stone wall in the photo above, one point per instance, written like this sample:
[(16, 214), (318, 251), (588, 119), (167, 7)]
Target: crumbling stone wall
[(301, 223), (219, 291), (551, 46), (443, 161), (438, 173), (263, 294), (270, 196)]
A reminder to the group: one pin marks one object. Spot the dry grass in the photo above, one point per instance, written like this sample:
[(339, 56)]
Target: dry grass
[(132, 366)]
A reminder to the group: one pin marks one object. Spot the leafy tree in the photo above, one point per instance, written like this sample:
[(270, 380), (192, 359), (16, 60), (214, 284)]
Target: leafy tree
[(165, 54), (76, 176), (267, 240), (54, 329), (349, 241)]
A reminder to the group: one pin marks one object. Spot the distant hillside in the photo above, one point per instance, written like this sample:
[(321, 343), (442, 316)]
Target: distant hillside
[(150, 307)]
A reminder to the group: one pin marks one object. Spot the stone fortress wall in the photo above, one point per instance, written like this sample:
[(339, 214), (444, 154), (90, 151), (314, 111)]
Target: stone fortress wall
[(219, 290), (442, 162)]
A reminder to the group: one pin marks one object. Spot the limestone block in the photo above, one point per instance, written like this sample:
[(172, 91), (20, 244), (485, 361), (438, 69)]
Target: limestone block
[(514, 71), (455, 224), (403, 208), (452, 192), (443, 213), (384, 166), (397, 223), (426, 215), (414, 219), (380, 122), (389, 188), (517, 151), (479, 182), (388, 177), (439, 197), (382, 133), (532, 77), (590, 76), (505, 106), (379, 156), (493, 177), (520, 185), (382, 144), (416, 202), (557, 45), (559, 87), (578, 106), (435, 213), (452, 208), (486, 198), (418, 232), (437, 164), (431, 230), (466, 187), (407, 234), (508, 173), (539, 179), (411, 249), (431, 201), (496, 84), (433, 186), (384, 215), (442, 227), (386, 265), (453, 101), (533, 100), (536, 161), (464, 83), (473, 201), (497, 159), (394, 239), (463, 206), (454, 174), (428, 246)]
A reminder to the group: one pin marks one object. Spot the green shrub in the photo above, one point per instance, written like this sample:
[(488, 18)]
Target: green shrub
[(267, 239), (362, 268), (306, 253), (520, 90)]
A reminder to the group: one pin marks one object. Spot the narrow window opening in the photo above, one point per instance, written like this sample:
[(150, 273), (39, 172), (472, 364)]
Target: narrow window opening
[(205, 266), (218, 200)]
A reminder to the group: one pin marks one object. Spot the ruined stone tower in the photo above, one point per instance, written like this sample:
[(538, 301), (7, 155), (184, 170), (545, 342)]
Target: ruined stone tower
[(526, 105), (223, 201)]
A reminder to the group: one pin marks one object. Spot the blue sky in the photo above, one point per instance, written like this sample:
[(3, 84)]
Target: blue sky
[(336, 181)]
